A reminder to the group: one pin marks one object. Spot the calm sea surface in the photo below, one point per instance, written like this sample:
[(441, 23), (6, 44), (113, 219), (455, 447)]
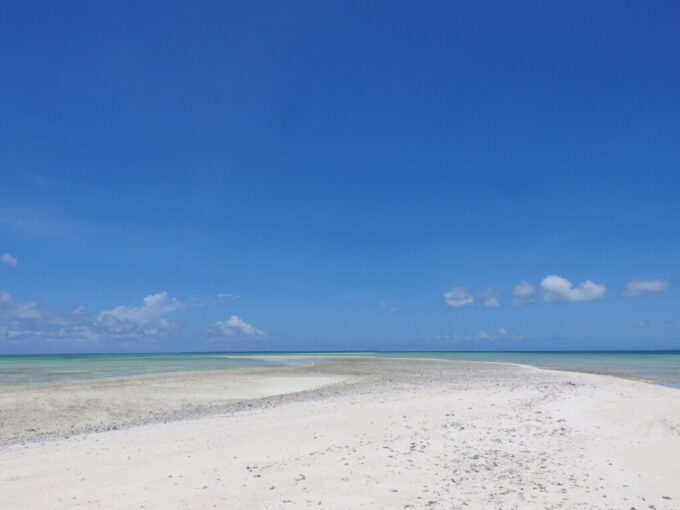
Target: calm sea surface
[(660, 366)]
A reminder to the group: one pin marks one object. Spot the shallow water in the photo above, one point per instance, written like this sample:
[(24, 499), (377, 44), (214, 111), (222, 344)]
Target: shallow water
[(660, 366), (55, 369)]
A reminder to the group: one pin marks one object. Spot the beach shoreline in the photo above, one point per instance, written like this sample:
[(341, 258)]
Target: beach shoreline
[(351, 433), (172, 406)]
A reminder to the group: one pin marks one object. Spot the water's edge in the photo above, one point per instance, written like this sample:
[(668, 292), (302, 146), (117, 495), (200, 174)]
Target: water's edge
[(661, 367)]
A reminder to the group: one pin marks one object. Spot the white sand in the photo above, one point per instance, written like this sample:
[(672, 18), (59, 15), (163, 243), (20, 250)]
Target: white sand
[(28, 412), (413, 434)]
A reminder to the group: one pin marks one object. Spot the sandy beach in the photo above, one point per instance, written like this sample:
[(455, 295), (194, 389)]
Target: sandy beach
[(350, 433)]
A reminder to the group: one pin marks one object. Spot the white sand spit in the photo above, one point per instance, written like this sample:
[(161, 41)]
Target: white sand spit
[(385, 434)]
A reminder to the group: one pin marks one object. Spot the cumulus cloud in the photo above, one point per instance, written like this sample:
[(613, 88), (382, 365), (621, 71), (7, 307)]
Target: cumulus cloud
[(522, 293), (557, 288), (9, 260), (490, 298), (32, 323), (29, 323), (154, 307), (458, 297), (235, 327), (644, 287)]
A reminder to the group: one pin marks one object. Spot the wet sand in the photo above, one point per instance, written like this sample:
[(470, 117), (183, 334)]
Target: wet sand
[(352, 433)]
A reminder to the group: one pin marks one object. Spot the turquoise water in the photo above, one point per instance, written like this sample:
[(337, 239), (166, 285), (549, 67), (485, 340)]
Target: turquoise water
[(661, 366), (55, 369)]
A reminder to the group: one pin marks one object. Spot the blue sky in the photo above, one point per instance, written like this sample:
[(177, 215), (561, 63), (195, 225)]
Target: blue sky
[(339, 175)]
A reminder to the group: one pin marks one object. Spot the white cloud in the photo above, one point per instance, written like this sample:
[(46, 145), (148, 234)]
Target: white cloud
[(557, 288), (154, 307), (643, 324), (235, 327), (29, 323), (12, 310), (490, 298), (9, 260), (522, 293), (458, 297), (524, 289), (499, 334), (228, 297), (644, 287)]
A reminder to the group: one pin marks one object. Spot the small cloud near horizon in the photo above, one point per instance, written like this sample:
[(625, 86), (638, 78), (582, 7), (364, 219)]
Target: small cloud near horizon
[(227, 297), (235, 327), (153, 308), (458, 297), (490, 298), (522, 293), (636, 288), (499, 334), (9, 260), (558, 288)]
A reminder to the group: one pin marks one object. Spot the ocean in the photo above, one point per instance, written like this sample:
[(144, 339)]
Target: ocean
[(662, 367)]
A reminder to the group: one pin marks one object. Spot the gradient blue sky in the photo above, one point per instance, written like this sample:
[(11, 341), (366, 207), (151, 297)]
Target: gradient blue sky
[(333, 169)]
